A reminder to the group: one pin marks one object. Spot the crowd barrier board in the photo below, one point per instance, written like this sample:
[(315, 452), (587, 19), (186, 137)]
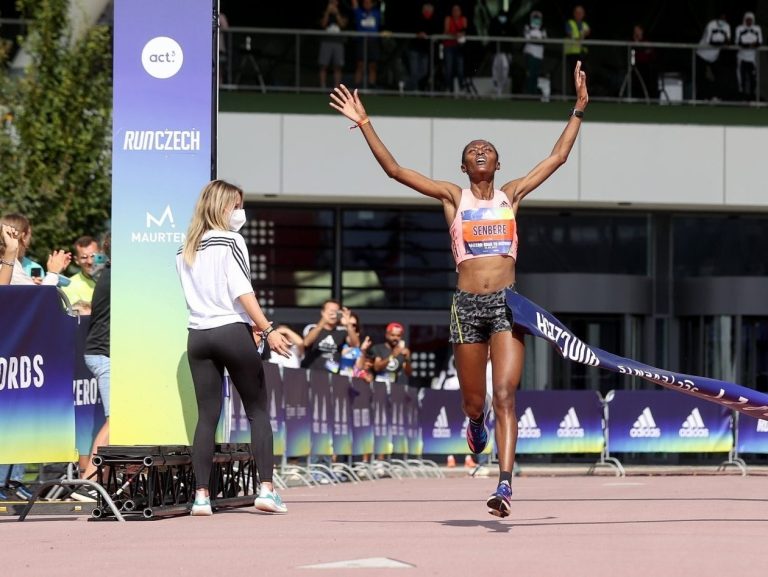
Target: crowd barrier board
[(752, 435)]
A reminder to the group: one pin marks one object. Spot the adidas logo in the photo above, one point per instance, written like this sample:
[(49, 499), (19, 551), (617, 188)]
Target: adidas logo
[(762, 426), (693, 426), (527, 427), (645, 426), (441, 429), (504, 204), (570, 426)]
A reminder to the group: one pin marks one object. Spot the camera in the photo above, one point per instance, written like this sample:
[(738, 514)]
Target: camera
[(99, 258)]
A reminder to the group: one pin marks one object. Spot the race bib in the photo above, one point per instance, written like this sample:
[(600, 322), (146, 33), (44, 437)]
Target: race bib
[(488, 230)]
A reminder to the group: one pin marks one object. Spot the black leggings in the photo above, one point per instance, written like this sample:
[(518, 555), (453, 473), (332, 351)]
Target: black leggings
[(209, 351)]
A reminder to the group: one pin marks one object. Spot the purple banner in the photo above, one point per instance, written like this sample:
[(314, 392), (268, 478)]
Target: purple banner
[(657, 421), (752, 435), (398, 401), (539, 323), (37, 354), (382, 419), (362, 424), (89, 410), (559, 422), (276, 406), (412, 429), (342, 415), (321, 404), (298, 421), (442, 423)]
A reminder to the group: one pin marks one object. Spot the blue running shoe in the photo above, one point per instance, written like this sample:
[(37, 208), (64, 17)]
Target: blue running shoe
[(477, 438), (499, 502)]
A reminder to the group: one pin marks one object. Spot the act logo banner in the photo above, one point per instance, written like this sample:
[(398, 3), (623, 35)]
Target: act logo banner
[(164, 116)]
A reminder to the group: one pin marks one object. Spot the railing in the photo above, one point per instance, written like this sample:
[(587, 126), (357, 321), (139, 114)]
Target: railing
[(286, 60)]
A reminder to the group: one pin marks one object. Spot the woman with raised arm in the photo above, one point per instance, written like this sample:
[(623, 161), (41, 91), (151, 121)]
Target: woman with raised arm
[(483, 229), (225, 319)]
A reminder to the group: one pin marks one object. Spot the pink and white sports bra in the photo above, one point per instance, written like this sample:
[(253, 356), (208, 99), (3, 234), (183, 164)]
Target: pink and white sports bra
[(483, 227)]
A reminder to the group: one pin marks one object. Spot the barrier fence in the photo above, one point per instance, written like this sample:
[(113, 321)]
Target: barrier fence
[(50, 410)]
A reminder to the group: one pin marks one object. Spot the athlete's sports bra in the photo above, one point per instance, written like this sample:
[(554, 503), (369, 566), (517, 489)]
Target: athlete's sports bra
[(483, 227)]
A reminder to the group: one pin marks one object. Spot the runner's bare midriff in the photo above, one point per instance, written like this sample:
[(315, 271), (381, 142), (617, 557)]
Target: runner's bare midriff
[(486, 275)]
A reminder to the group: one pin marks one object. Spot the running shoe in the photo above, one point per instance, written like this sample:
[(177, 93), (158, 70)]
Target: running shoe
[(477, 438), (269, 501), (201, 507), (21, 490), (499, 502)]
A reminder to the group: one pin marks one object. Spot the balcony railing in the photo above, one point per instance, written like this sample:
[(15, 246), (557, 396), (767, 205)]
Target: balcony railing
[(286, 60)]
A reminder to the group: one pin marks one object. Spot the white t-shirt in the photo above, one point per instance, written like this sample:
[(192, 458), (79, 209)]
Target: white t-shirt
[(535, 50), (748, 36), (716, 34), (221, 273)]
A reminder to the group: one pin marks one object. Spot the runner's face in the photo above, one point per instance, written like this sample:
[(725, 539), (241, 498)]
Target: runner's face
[(480, 157)]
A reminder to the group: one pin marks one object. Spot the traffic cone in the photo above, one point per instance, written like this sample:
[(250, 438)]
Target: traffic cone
[(469, 462), (450, 461)]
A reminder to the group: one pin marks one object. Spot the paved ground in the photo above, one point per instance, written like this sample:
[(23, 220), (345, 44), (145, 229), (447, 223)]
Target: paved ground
[(564, 526)]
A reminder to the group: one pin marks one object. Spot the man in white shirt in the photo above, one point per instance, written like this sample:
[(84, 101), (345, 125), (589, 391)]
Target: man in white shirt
[(711, 79), (748, 37)]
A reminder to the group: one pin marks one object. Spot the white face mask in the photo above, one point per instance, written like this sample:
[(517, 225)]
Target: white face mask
[(237, 220)]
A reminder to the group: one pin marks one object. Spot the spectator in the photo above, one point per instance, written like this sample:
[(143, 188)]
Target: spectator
[(80, 289), (324, 341), (295, 351), (748, 37), (392, 359), (9, 248), (368, 20), (711, 78), (534, 51), (97, 349), (349, 354), (12, 481), (645, 64), (363, 368), (454, 25), (58, 260), (223, 315), (576, 30), (332, 47), (501, 25), (419, 60)]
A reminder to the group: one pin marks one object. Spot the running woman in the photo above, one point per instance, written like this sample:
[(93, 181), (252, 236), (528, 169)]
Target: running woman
[(483, 229), (224, 319)]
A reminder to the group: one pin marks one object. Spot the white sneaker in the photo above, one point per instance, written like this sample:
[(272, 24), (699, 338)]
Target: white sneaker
[(201, 507), (269, 501)]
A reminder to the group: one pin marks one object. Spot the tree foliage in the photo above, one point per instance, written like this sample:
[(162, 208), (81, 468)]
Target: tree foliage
[(55, 141)]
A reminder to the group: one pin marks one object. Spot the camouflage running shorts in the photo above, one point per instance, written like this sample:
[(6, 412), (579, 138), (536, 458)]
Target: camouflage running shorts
[(475, 317)]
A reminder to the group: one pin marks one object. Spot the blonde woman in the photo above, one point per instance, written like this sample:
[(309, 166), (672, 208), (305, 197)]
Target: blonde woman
[(224, 317)]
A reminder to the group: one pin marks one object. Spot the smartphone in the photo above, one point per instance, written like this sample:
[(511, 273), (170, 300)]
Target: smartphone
[(36, 272), (339, 314)]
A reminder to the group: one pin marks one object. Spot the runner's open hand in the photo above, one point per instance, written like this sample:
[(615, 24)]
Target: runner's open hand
[(348, 103)]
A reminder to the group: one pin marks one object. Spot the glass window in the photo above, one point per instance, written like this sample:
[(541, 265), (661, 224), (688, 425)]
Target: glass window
[(583, 243), (754, 353), (723, 245)]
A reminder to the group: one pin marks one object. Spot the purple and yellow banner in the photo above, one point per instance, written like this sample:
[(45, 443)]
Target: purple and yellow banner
[(399, 400), (37, 355), (321, 404), (657, 421), (89, 409), (443, 423), (559, 422), (164, 114), (382, 419), (298, 420), (342, 415), (540, 323), (752, 435), (362, 424)]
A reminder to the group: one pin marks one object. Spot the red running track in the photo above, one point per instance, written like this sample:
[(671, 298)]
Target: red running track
[(646, 526)]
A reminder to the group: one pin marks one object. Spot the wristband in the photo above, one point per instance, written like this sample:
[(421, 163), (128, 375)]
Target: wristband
[(266, 332), (577, 113), (6, 263), (360, 124)]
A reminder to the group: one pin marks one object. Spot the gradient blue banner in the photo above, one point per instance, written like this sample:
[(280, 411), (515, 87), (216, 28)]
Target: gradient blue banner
[(37, 357), (540, 323), (276, 405), (321, 406), (412, 428), (164, 114), (657, 421), (442, 423), (362, 424), (752, 435), (559, 422), (342, 415), (298, 420), (382, 419), (399, 400)]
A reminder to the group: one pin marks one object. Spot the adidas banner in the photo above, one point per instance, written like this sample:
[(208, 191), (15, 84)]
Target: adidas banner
[(752, 435), (398, 399), (442, 423), (539, 323), (362, 424), (559, 422), (657, 421), (274, 382), (382, 417), (298, 423)]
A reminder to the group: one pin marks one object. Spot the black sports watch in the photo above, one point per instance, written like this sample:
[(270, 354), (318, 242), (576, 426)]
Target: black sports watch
[(577, 113)]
